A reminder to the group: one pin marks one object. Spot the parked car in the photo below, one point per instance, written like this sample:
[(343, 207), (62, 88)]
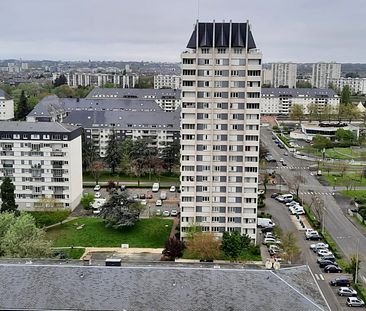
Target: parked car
[(149, 196), (163, 195), (143, 202), (313, 236), (265, 222), (155, 187), (267, 229), (142, 196), (292, 203), (174, 212), (332, 269), (97, 195), (317, 246), (341, 281), (347, 291), (285, 198), (355, 302), (284, 164), (166, 213), (269, 235), (97, 188), (329, 257), (296, 209), (172, 189), (274, 195), (323, 263), (123, 187), (159, 203), (285, 154), (158, 212), (324, 252), (268, 241), (309, 232), (135, 196)]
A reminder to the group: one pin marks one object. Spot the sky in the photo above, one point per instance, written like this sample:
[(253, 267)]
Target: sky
[(135, 30)]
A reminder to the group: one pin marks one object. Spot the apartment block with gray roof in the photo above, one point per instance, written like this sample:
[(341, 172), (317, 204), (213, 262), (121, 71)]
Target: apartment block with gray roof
[(221, 87), (43, 159), (279, 101), (6, 106), (127, 117)]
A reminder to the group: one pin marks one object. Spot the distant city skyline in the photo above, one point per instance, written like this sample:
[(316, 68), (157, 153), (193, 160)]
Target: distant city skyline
[(114, 30)]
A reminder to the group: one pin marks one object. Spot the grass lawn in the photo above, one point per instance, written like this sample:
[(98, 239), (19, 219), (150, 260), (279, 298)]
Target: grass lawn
[(335, 153), (107, 176), (353, 193), (44, 219), (146, 233), (343, 181)]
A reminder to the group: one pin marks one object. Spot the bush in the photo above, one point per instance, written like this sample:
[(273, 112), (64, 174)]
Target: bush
[(264, 215), (44, 219)]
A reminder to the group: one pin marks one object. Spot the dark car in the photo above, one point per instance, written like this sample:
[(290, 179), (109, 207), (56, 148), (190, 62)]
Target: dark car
[(323, 263), (274, 195), (281, 146), (342, 281), (149, 196), (142, 196), (332, 269), (328, 257), (123, 187), (267, 229), (314, 237)]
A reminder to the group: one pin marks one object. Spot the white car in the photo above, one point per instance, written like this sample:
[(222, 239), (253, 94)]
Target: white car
[(173, 212), (292, 203), (143, 202), (172, 189), (317, 246), (324, 252), (166, 213), (269, 235), (97, 195), (309, 232), (267, 241), (163, 195), (355, 302), (97, 188), (159, 203), (298, 210), (158, 212), (155, 187), (347, 291)]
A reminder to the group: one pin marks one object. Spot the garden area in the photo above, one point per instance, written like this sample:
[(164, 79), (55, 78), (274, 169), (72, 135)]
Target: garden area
[(91, 232), (346, 180), (44, 219)]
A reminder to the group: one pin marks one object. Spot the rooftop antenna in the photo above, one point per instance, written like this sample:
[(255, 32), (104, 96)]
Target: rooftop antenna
[(198, 9)]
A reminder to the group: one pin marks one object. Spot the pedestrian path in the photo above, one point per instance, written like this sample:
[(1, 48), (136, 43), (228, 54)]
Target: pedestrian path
[(292, 167), (319, 277), (316, 193)]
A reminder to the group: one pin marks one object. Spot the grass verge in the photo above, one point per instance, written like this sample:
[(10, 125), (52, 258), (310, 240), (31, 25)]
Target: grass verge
[(353, 193), (151, 232)]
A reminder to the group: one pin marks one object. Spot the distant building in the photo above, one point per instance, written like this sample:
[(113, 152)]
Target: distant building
[(356, 85), (127, 117), (267, 77), (326, 129), (283, 75), (167, 82), (324, 73), (76, 79), (279, 101), (6, 106), (43, 160)]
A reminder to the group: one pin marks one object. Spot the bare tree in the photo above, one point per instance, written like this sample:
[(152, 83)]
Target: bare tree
[(291, 251), (295, 183), (96, 168), (204, 246), (343, 167)]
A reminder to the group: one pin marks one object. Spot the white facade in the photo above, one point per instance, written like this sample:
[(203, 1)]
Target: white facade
[(220, 120), (324, 73), (44, 162), (279, 101), (267, 77), (167, 81), (6, 106), (284, 74), (356, 85)]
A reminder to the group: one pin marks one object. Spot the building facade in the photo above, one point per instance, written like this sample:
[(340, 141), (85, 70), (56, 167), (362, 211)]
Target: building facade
[(167, 82), (221, 79), (6, 106), (279, 101), (357, 85), (44, 162), (324, 73), (284, 75)]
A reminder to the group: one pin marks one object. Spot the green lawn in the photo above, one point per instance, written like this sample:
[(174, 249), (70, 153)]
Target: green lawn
[(151, 232), (353, 193), (338, 180), (335, 153), (107, 176), (44, 219)]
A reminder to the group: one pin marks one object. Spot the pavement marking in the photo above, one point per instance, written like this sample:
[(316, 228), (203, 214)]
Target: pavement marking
[(364, 279), (321, 277), (317, 276)]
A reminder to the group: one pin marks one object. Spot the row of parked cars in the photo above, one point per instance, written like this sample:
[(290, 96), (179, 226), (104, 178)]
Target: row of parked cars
[(294, 207)]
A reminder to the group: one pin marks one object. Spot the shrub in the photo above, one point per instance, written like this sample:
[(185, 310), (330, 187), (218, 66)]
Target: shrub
[(264, 215), (44, 219), (173, 248)]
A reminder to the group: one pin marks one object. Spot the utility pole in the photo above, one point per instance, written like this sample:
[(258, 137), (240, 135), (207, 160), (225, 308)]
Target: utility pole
[(357, 251)]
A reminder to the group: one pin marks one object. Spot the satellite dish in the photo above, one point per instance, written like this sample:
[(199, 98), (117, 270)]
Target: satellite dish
[(276, 265), (268, 265)]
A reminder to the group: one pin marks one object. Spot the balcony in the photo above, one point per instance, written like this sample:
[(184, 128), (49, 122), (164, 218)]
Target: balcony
[(58, 154)]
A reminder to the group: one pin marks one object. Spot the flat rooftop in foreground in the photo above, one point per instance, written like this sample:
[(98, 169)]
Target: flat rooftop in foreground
[(165, 287)]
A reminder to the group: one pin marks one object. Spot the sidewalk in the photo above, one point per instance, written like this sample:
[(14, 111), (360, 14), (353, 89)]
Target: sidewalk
[(70, 218)]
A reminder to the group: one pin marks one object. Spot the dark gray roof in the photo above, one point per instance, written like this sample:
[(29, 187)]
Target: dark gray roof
[(139, 93), (218, 35), (42, 127), (4, 95), (298, 92), (121, 119), (52, 287)]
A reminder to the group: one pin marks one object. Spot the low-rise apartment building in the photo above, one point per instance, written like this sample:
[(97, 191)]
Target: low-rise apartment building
[(279, 101), (6, 106), (356, 85), (167, 82), (43, 159)]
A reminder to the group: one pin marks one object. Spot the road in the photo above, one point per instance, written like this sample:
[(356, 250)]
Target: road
[(342, 230)]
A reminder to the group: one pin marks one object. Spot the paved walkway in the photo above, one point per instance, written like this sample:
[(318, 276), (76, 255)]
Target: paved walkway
[(61, 222)]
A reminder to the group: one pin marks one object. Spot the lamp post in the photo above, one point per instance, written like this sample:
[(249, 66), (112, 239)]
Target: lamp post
[(357, 254)]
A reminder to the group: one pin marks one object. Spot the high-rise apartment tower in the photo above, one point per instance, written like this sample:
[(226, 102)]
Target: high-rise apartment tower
[(220, 119)]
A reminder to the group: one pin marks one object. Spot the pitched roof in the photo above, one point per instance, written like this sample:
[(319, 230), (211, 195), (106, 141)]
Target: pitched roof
[(66, 287), (298, 92), (42, 127), (4, 95)]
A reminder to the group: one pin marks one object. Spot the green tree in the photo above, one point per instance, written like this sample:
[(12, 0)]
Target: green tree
[(125, 151), (313, 112), (145, 82), (120, 212), (64, 91), (345, 135), (346, 95), (291, 251), (170, 155), (320, 142), (297, 112), (139, 153), (22, 107), (353, 266), (112, 157), (7, 196), (234, 244), (109, 85), (204, 246), (61, 80), (22, 238), (87, 200), (302, 84), (89, 152), (174, 248)]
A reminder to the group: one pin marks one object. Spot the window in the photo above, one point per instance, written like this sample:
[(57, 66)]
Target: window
[(218, 73), (189, 61), (205, 51), (221, 51), (215, 219), (206, 61), (238, 51), (235, 72)]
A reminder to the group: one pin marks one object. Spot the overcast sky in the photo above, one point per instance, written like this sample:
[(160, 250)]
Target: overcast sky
[(285, 30)]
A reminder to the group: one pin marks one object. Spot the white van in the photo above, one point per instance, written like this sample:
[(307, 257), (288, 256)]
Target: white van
[(285, 197), (265, 223), (155, 187)]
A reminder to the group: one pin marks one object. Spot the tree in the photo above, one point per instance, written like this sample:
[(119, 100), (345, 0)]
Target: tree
[(318, 207), (320, 142), (170, 155), (353, 266), (297, 112), (139, 153), (63, 91), (96, 168), (120, 212), (174, 248), (291, 251), (125, 152), (204, 246), (112, 157), (345, 135), (234, 244), (87, 200), (61, 80), (22, 108), (352, 75), (343, 167), (313, 112), (22, 238), (301, 84), (89, 152), (263, 150), (295, 183), (7, 196), (346, 95)]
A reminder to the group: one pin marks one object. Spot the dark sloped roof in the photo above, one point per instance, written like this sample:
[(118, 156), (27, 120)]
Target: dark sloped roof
[(62, 287), (218, 34), (139, 93), (4, 95), (42, 127), (298, 92)]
